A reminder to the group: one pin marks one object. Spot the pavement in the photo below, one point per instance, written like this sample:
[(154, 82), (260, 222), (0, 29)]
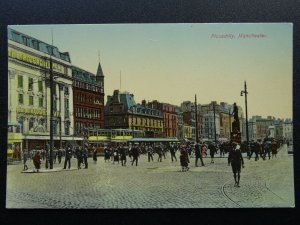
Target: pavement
[(266, 184)]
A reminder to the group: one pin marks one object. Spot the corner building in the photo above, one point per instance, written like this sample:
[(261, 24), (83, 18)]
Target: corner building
[(29, 90)]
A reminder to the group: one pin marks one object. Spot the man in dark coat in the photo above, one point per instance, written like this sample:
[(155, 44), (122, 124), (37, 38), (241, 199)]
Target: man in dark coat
[(198, 155), (212, 150), (172, 152), (135, 154), (149, 153), (123, 155), (59, 155), (68, 157), (85, 156), (78, 154), (235, 158)]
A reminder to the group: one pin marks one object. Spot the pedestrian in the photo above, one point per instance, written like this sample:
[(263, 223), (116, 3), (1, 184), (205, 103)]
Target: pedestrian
[(59, 155), (159, 152), (163, 151), (68, 157), (123, 153), (212, 150), (85, 156), (203, 150), (78, 154), (184, 159), (149, 150), (267, 146), (25, 157), (235, 158), (173, 152), (251, 149), (116, 155), (94, 154), (198, 155), (135, 154), (259, 150), (106, 154), (274, 148), (37, 161)]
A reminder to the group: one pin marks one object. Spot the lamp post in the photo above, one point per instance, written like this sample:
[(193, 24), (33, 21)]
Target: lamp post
[(196, 115), (247, 132), (214, 108)]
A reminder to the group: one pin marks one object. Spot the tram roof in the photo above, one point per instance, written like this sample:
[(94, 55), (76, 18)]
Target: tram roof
[(154, 140)]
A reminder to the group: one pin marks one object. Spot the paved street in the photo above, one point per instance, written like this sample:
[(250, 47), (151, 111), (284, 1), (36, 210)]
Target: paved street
[(154, 185)]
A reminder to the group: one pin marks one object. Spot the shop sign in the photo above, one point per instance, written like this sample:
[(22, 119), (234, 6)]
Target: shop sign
[(12, 53), (38, 112)]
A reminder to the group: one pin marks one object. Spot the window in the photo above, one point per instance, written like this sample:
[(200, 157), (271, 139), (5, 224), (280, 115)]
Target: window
[(21, 100), (31, 123), (41, 102), (20, 81), (31, 100), (66, 90), (35, 44), (40, 86), (30, 84)]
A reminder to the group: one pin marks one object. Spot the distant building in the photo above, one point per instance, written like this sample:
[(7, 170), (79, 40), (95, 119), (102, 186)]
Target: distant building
[(169, 115), (288, 130), (121, 111), (262, 126)]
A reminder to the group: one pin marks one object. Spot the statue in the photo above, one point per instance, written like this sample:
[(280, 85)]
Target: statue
[(235, 134)]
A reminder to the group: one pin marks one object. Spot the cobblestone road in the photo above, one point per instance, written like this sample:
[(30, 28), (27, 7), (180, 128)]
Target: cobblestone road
[(267, 183)]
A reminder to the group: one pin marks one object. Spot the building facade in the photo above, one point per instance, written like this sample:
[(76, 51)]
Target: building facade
[(169, 115), (88, 92), (29, 62), (121, 111)]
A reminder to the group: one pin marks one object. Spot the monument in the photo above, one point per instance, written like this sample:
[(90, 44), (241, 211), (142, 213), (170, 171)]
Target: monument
[(235, 135)]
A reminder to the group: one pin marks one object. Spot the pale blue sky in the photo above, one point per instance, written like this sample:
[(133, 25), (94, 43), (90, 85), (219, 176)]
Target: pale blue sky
[(173, 62)]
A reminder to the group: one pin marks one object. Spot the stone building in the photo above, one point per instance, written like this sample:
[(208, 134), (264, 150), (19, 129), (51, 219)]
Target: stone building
[(29, 61)]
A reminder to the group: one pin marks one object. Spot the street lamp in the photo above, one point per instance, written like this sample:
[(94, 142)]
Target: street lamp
[(245, 92)]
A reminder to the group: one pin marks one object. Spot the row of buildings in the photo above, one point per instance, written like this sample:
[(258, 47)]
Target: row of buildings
[(79, 104)]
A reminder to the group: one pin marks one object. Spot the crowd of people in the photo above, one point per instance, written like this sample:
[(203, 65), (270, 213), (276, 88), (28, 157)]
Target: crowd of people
[(116, 152)]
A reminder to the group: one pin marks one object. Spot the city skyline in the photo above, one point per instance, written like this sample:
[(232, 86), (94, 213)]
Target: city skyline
[(173, 62)]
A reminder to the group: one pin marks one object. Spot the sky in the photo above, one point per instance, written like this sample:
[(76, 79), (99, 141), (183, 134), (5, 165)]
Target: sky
[(173, 62)]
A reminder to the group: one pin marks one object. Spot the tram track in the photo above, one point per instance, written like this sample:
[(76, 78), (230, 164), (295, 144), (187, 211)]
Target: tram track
[(226, 196)]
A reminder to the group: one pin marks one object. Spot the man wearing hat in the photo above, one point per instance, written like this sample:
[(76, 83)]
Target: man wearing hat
[(235, 158)]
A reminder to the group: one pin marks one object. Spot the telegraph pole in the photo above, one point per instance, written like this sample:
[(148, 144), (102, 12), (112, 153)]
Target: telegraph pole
[(196, 114), (51, 107)]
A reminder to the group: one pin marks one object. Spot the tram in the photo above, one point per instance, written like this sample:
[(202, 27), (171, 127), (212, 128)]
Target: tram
[(14, 141), (99, 138)]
